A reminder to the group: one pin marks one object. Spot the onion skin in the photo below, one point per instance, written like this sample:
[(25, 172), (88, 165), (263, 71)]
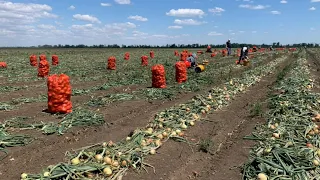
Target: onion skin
[(262, 176)]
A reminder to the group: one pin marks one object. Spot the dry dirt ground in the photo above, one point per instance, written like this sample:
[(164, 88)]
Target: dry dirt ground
[(225, 129), (174, 161)]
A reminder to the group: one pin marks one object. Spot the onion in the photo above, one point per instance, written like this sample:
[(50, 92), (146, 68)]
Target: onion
[(191, 123), (160, 136), (115, 164), (98, 157), (158, 142), (318, 152), (107, 171), (262, 176), (160, 125), (104, 144), (184, 126), (128, 138), (107, 160), (124, 163), (276, 135), (24, 176), (187, 109), (46, 174), (152, 151), (316, 162), (173, 133), (75, 161), (165, 134), (149, 131), (178, 131), (276, 124), (110, 143), (272, 127)]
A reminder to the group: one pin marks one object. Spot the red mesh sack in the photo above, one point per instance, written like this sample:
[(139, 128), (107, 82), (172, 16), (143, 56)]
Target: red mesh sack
[(188, 64), (55, 60), (158, 76), (213, 54), (3, 65), (127, 56), (181, 72), (200, 52), (112, 63), (33, 60), (42, 57), (43, 68), (151, 54), (144, 60), (224, 53), (59, 94), (183, 56), (176, 53)]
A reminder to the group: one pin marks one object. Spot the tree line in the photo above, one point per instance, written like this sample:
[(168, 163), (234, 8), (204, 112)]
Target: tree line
[(234, 45)]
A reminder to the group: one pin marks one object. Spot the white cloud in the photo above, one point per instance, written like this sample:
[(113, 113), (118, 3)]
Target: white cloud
[(72, 7), (46, 26), (188, 22), (283, 2), (213, 33), (312, 29), (257, 7), (275, 12), (315, 1), (85, 17), (216, 10), (186, 13), (175, 27), (312, 9), (105, 4), (253, 31), (138, 18), (122, 1)]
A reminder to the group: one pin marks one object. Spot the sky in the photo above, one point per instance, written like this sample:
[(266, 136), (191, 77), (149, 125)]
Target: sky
[(158, 22)]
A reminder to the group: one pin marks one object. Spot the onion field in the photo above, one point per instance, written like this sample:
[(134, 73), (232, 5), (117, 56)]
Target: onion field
[(140, 114)]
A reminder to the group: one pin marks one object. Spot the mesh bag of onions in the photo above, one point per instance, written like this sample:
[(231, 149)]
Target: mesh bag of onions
[(158, 76)]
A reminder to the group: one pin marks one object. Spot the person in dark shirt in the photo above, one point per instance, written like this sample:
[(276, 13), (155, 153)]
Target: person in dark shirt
[(228, 47)]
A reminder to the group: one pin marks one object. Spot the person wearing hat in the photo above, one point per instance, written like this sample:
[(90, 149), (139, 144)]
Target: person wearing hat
[(228, 47), (243, 54), (192, 59)]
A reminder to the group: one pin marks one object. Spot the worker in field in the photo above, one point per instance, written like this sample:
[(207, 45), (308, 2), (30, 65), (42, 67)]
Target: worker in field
[(243, 54), (209, 49), (192, 59), (228, 47)]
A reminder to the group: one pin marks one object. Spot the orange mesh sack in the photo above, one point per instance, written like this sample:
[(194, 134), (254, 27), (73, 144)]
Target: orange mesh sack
[(213, 54), (144, 61), (127, 56), (181, 72), (176, 53), (151, 54), (55, 60), (59, 94), (33, 60), (158, 76), (112, 63), (42, 57), (183, 56), (43, 69), (3, 65)]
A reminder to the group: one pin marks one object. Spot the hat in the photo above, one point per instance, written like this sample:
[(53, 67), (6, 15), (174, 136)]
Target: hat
[(228, 39)]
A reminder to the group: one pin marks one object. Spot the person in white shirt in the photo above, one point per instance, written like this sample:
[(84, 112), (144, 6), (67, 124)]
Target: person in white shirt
[(243, 53)]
